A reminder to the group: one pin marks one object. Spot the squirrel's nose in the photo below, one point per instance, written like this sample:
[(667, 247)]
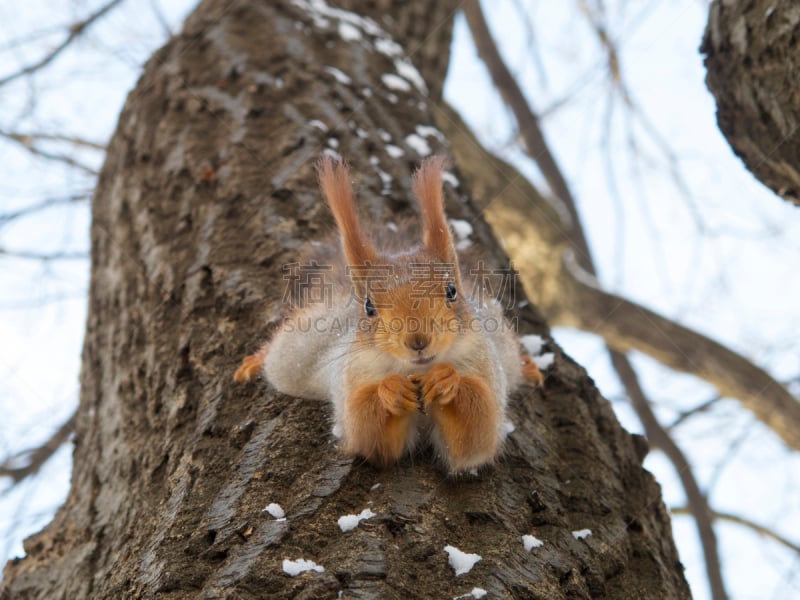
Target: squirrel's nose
[(417, 341)]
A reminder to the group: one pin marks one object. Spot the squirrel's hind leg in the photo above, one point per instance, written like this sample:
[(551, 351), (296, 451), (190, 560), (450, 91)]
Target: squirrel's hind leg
[(251, 365), (467, 417), (378, 419)]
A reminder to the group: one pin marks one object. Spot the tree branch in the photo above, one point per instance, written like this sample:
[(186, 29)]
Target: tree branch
[(28, 142), (25, 255), (538, 149), (75, 30), (660, 438), (627, 326), (569, 301), (535, 145), (685, 415), (34, 458), (28, 139), (6, 218), (760, 529)]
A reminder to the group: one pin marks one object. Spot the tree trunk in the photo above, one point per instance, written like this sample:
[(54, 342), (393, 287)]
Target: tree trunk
[(208, 188), (753, 62)]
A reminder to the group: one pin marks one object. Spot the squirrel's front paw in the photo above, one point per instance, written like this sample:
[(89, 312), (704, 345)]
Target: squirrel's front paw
[(440, 384), (398, 394)]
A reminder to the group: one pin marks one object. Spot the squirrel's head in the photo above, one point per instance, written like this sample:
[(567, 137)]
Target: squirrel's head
[(412, 304)]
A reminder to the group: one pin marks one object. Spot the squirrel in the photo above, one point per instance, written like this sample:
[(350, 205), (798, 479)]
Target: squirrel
[(414, 358)]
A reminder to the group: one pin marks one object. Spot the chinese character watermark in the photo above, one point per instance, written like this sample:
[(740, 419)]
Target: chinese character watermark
[(367, 279), (493, 284), (307, 284), (313, 283), (429, 280)]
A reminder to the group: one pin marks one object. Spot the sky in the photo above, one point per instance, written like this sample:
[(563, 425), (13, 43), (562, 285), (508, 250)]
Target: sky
[(674, 220)]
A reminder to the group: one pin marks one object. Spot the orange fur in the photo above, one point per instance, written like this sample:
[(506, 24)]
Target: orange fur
[(379, 417), (530, 371), (414, 350), (404, 316), (466, 414), (334, 179), (428, 190), (251, 365)]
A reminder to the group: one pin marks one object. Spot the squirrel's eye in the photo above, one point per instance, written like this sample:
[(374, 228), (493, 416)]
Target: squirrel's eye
[(369, 308), (452, 293)]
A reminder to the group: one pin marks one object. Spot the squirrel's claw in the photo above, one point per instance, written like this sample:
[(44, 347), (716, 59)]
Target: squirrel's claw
[(440, 384), (398, 394)]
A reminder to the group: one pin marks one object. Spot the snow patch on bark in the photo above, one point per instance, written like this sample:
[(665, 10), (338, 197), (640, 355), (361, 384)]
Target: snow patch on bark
[(581, 534), (462, 228), (275, 510), (419, 144), (350, 28), (340, 76), (395, 82), (475, 593), (545, 361), (530, 542), (348, 32), (533, 345), (394, 151), (448, 177), (350, 522), (301, 565), (462, 562)]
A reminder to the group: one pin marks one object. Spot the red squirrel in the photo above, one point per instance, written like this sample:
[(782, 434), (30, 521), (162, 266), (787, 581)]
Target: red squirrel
[(416, 359)]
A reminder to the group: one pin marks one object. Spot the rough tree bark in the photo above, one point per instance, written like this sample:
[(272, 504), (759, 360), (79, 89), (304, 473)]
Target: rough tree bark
[(753, 65), (208, 188)]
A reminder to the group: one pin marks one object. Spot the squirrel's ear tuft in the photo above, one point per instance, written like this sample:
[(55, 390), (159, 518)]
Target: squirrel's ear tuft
[(428, 189), (334, 179)]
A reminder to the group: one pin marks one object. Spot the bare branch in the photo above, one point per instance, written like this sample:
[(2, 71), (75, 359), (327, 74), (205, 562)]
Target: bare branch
[(28, 142), (6, 218), (162, 20), (33, 459), (532, 50), (620, 88), (538, 149), (29, 36), (687, 414), (28, 139), (25, 255), (760, 529), (658, 436), (75, 31), (733, 448), (625, 326), (601, 31), (528, 123)]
